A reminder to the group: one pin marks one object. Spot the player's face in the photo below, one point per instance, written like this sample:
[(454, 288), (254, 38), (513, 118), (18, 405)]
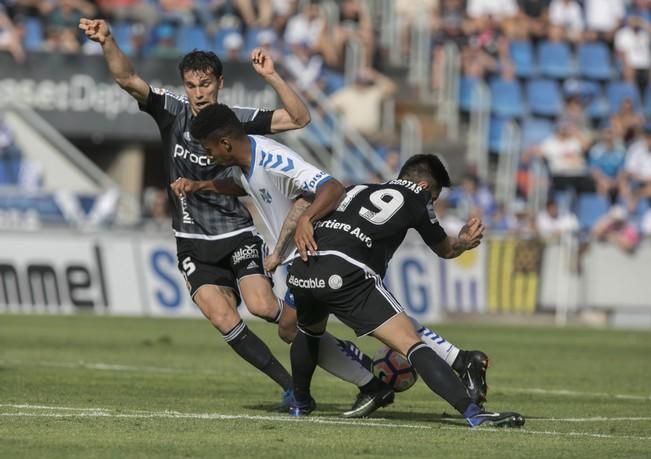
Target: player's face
[(201, 88), (218, 151)]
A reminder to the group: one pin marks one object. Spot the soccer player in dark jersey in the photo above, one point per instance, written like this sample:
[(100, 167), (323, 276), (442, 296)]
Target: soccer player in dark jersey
[(219, 251), (349, 251)]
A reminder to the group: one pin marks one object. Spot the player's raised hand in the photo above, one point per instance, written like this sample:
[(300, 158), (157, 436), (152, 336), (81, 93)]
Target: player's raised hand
[(272, 262), (304, 237), (95, 29), (182, 186), (262, 62), (472, 233)]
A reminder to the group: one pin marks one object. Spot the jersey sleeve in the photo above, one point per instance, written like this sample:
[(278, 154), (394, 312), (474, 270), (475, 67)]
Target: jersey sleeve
[(298, 176), (162, 105), (254, 120), (429, 227)]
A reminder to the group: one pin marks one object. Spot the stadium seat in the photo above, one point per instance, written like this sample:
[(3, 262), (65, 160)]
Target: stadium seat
[(535, 130), (555, 60), (190, 38), (594, 61), (523, 58), (33, 40), (506, 98), (218, 43), (647, 102), (544, 97), (590, 208), (122, 34), (618, 91), (497, 141), (468, 100)]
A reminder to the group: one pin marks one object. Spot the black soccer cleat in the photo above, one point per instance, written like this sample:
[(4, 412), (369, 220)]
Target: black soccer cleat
[(491, 419), (368, 402), (297, 408), (474, 376)]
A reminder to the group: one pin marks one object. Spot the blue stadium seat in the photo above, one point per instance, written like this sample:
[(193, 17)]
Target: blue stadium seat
[(594, 61), (506, 98), (618, 91), (122, 34), (523, 58), (555, 59), (544, 97), (33, 40), (190, 38), (590, 208), (496, 134), (468, 100), (535, 130), (647, 102)]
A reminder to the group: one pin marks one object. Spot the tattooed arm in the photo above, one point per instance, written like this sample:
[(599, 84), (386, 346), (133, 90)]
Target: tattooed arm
[(286, 234), (469, 237)]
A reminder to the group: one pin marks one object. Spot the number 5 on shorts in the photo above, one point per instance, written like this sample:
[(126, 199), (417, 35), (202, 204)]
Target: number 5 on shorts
[(188, 266)]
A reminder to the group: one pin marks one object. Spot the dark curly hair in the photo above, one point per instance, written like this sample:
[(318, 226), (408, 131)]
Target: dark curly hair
[(201, 61), (215, 122), (425, 167)]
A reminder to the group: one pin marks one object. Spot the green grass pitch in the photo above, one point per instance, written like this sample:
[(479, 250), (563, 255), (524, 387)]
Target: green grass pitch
[(116, 387)]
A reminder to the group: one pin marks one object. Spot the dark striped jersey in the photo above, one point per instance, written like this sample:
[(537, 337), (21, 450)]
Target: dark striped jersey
[(372, 220), (201, 215)]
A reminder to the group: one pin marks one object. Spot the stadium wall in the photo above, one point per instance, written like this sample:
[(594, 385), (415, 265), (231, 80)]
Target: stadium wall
[(134, 273)]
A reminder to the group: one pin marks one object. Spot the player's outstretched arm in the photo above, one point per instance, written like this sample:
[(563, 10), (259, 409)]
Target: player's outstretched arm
[(119, 65), (326, 200), (294, 114), (286, 233), (183, 186), (469, 237)]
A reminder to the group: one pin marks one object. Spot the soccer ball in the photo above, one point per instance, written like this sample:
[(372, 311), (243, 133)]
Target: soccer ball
[(394, 369)]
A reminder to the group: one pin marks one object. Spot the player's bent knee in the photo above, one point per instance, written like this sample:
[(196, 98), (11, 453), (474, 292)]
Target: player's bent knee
[(287, 332), (263, 306)]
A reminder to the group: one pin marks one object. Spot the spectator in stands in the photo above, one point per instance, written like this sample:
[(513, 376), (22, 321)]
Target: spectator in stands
[(9, 37), (360, 104), (567, 16), (176, 12), (525, 222), (500, 10), (487, 47), (552, 224), (62, 18), (564, 153), (450, 222), (310, 27), (355, 24), (282, 11), (138, 11), (606, 161), (641, 8), (638, 170), (267, 40), (448, 28), (574, 113), (633, 45), (501, 221), (603, 18), (626, 122), (306, 68), (233, 44), (166, 41), (534, 17), (615, 228), (155, 209), (408, 12), (471, 194)]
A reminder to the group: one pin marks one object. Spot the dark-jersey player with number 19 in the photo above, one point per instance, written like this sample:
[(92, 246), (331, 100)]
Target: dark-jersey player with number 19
[(219, 251), (354, 245)]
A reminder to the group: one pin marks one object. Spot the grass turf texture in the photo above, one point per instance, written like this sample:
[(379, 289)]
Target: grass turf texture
[(116, 387)]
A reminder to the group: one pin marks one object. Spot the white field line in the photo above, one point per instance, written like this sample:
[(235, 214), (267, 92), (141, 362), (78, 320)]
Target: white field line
[(51, 412), (100, 366)]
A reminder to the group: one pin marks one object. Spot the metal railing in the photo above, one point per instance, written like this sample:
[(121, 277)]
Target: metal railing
[(447, 102), (477, 135), (507, 164)]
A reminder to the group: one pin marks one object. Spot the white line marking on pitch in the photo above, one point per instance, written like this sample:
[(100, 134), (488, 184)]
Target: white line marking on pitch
[(141, 414), (147, 369)]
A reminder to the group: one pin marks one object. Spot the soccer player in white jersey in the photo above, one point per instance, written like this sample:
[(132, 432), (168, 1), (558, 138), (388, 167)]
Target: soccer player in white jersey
[(279, 180)]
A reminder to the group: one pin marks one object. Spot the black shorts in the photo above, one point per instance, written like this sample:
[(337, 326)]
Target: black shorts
[(222, 262), (330, 284)]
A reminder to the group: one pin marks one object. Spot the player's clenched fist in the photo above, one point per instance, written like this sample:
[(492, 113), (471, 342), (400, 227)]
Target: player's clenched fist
[(262, 62), (95, 29), (304, 237), (183, 186), (471, 233)]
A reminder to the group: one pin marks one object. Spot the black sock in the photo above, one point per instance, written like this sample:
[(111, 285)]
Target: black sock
[(459, 363), (255, 351), (438, 376), (304, 355), (374, 385)]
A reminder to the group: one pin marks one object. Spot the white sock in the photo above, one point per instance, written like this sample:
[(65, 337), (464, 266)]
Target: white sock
[(443, 348), (338, 360)]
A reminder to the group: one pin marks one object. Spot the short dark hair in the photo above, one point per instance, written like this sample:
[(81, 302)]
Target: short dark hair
[(216, 121), (425, 167), (201, 61)]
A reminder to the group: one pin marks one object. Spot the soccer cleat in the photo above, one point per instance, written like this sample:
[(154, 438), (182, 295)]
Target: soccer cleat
[(285, 401), (368, 402), (474, 376), (477, 417), (297, 408)]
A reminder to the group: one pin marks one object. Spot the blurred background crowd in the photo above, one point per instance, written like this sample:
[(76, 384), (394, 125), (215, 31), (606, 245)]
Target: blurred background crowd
[(570, 78)]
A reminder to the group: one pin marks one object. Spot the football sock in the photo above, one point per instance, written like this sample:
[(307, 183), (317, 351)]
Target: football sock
[(252, 349), (438, 376), (443, 348), (340, 360), (304, 354), (460, 362)]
